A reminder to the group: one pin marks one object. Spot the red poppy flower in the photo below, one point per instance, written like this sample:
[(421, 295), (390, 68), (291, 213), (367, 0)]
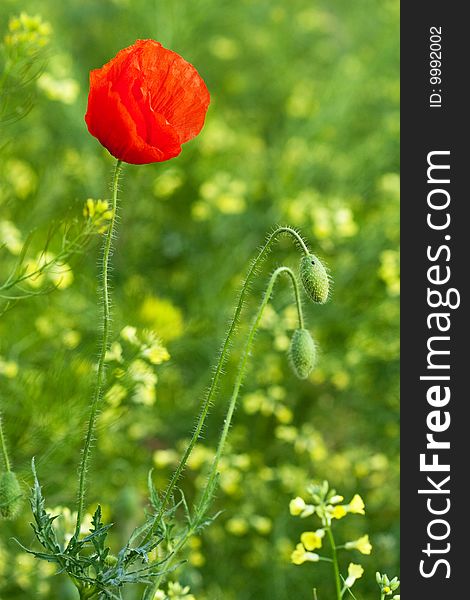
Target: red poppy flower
[(145, 102)]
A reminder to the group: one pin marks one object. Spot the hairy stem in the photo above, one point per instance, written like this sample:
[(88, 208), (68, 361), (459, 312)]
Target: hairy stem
[(335, 564), (298, 301), (241, 373), (3, 443), (100, 377), (221, 362), (202, 503)]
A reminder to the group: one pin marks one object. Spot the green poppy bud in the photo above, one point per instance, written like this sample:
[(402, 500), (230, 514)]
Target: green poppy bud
[(314, 278), (302, 353), (111, 560), (10, 495)]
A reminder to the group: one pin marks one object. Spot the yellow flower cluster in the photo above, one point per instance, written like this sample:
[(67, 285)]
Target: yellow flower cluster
[(47, 269), (32, 576), (387, 586), (145, 350), (60, 89), (327, 506), (98, 213), (222, 193), (28, 33), (175, 592), (332, 510), (240, 526), (301, 555), (269, 402)]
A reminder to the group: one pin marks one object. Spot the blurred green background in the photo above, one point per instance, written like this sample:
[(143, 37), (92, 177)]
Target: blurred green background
[(302, 130)]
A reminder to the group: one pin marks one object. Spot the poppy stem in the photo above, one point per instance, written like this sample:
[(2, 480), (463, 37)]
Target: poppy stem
[(203, 504), (100, 377), (211, 482), (223, 356), (3, 443)]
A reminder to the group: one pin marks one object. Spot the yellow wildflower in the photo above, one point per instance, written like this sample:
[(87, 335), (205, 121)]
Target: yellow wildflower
[(156, 353), (99, 212), (362, 544), (338, 512), (354, 572), (312, 539), (114, 353), (356, 506), (300, 555), (297, 507), (129, 334)]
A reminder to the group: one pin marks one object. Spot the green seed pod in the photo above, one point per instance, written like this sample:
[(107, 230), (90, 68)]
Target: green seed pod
[(111, 560), (302, 353), (10, 495), (315, 278)]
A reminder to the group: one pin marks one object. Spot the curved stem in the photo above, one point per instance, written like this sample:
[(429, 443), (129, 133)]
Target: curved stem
[(102, 353), (3, 443), (298, 301), (335, 564), (241, 373), (221, 362), (202, 504)]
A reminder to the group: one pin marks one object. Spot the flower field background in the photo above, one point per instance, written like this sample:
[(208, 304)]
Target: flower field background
[(302, 129)]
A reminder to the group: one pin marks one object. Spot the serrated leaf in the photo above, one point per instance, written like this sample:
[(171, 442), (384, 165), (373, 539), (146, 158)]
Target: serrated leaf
[(153, 493)]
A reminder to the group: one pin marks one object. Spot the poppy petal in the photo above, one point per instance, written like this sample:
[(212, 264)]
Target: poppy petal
[(145, 103)]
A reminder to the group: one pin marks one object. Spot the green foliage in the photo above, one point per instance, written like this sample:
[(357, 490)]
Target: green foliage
[(22, 56), (87, 560), (10, 495), (303, 128)]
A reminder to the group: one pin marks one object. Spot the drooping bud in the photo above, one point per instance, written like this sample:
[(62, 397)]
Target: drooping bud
[(302, 353), (314, 278), (10, 495)]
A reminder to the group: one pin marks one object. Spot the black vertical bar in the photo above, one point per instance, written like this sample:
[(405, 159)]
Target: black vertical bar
[(434, 119)]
